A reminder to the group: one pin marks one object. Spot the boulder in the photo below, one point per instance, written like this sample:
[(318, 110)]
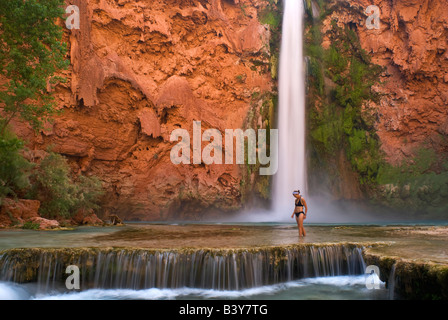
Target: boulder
[(115, 220), (19, 211), (45, 224), (87, 217), (92, 220)]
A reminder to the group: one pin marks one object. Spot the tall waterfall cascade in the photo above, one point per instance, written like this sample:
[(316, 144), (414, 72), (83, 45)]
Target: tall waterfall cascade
[(292, 173)]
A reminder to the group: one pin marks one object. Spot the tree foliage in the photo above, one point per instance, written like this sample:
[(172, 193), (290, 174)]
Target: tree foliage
[(60, 193), (31, 52), (14, 169)]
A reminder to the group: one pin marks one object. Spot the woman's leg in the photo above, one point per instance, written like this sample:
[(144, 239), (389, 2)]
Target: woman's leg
[(301, 228), (298, 223)]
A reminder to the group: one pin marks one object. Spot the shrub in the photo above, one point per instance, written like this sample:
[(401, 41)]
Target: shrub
[(14, 168), (54, 188), (59, 193), (420, 189), (31, 226), (89, 189)]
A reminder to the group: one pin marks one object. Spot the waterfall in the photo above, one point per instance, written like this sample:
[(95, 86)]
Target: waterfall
[(291, 174), (391, 282), (235, 269)]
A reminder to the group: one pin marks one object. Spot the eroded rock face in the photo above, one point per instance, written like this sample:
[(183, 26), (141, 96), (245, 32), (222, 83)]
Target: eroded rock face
[(138, 71), (18, 211), (141, 69), (412, 45), (86, 217)]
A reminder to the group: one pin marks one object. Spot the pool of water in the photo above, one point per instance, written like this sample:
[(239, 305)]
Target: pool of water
[(428, 242), (78, 237), (416, 241), (324, 288)]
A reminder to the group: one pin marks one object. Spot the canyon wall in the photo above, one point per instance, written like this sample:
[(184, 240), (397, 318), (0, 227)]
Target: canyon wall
[(405, 117), (141, 69), (412, 45)]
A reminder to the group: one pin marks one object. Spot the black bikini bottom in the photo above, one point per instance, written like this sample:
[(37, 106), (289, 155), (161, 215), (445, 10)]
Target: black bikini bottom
[(299, 213)]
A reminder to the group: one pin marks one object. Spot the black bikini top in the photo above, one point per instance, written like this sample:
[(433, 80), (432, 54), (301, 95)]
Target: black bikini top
[(299, 203)]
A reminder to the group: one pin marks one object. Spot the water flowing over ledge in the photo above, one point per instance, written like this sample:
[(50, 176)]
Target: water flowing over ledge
[(236, 269), (292, 172)]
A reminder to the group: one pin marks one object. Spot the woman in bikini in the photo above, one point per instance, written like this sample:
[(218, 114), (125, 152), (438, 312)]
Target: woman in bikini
[(299, 213)]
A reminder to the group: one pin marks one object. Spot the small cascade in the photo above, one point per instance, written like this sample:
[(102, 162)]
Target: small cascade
[(206, 269), (391, 282)]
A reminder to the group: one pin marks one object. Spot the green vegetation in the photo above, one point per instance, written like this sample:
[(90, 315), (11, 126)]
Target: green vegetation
[(243, 7), (14, 169), (31, 51), (59, 193), (263, 107), (340, 79), (31, 54), (240, 78), (420, 185), (50, 181), (272, 16), (263, 104), (341, 122), (31, 225)]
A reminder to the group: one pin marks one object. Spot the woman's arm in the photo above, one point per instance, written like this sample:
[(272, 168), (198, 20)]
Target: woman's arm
[(306, 206), (295, 201)]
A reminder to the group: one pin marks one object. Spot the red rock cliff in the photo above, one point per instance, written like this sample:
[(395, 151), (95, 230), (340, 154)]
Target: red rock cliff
[(139, 70), (412, 44)]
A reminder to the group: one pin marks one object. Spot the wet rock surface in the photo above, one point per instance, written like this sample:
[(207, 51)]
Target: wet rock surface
[(418, 243)]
